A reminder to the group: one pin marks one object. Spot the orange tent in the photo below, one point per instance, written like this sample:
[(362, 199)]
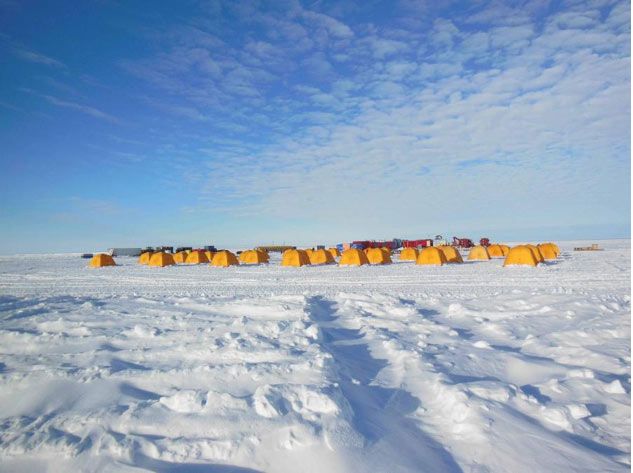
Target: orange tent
[(353, 257), (295, 258), (144, 258), (478, 253), (100, 260), (224, 259), (321, 257), (253, 257), (408, 254), (180, 257), (451, 254), (431, 256), (196, 257), (334, 252), (378, 256), (548, 251), (495, 251), (161, 259), (537, 253), (521, 255), (209, 255), (506, 249)]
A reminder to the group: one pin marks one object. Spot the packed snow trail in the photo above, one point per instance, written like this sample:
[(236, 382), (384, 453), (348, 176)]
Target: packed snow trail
[(385, 438), (473, 368)]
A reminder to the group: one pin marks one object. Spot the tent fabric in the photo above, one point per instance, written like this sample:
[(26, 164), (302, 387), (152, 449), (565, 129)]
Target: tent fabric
[(478, 253), (521, 255), (451, 254), (334, 252), (145, 257), (537, 253), (295, 258), (180, 257), (196, 257), (378, 256), (506, 249), (209, 255), (321, 257), (224, 259), (161, 259), (263, 255), (555, 248), (408, 254), (253, 257), (100, 260), (548, 251), (431, 256), (353, 257), (495, 251)]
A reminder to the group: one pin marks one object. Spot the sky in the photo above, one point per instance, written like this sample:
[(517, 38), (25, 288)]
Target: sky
[(238, 123)]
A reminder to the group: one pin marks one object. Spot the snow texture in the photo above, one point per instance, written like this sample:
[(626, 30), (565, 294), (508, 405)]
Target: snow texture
[(399, 368)]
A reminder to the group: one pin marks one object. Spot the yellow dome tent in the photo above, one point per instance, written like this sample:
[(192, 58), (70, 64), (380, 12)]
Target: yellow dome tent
[(144, 258), (224, 259), (451, 254), (548, 251), (196, 257), (431, 256), (478, 253), (161, 259), (295, 258), (209, 255), (321, 257), (495, 251), (253, 257), (180, 257), (537, 253), (521, 255), (555, 248), (408, 254), (378, 256), (353, 257), (100, 260), (334, 252), (506, 249)]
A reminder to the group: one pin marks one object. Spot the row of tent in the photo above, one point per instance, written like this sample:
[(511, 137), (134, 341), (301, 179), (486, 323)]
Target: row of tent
[(530, 255)]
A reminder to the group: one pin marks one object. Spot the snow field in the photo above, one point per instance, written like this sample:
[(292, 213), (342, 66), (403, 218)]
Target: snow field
[(400, 368)]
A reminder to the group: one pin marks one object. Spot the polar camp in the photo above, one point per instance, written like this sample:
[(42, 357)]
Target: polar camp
[(478, 253), (224, 259), (521, 255), (209, 254), (378, 256), (408, 254), (451, 254), (161, 259), (353, 257), (321, 257), (100, 260), (295, 258), (431, 256), (196, 257), (253, 257)]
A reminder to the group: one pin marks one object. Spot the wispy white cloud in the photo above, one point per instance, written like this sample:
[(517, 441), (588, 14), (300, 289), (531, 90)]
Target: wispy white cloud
[(37, 58)]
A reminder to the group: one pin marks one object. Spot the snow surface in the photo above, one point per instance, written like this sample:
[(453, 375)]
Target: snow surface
[(401, 368)]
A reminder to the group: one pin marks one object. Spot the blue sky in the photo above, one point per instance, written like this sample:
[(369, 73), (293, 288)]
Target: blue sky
[(239, 123)]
